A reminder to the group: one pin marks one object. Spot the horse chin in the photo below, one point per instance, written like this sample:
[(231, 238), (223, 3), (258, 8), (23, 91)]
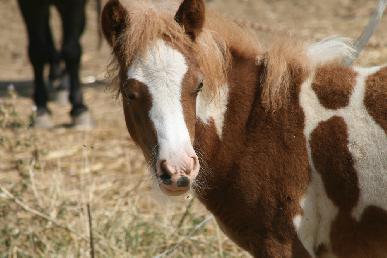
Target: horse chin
[(173, 192)]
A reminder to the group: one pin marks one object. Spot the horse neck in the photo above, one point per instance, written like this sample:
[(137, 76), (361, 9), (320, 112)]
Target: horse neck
[(228, 114), (244, 116)]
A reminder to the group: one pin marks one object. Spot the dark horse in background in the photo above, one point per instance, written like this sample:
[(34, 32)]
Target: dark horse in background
[(42, 51)]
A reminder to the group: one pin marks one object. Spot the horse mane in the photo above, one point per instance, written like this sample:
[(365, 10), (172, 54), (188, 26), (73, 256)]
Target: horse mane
[(285, 63), (289, 61)]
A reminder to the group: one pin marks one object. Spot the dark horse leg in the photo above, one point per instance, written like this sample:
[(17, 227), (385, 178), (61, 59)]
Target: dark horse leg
[(58, 78), (36, 15), (56, 72), (73, 17)]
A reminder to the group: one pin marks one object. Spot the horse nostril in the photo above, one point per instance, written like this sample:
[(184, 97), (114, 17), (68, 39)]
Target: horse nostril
[(166, 179), (183, 182)]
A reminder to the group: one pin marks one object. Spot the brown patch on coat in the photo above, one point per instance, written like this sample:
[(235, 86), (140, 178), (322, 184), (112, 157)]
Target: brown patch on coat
[(376, 97), (365, 238), (333, 85), (333, 161), (137, 102), (188, 98), (321, 250)]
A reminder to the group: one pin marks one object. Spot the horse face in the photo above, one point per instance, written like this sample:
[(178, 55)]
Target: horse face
[(159, 94), (159, 91)]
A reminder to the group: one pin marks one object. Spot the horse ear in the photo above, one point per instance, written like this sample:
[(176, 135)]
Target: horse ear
[(114, 19), (191, 16)]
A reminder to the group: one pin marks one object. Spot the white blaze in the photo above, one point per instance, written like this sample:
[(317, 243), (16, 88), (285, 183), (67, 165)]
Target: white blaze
[(162, 70)]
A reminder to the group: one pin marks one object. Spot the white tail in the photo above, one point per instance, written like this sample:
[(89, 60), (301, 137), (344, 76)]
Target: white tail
[(373, 24), (330, 49)]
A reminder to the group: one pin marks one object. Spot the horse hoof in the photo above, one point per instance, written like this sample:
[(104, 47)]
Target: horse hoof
[(83, 121), (42, 120)]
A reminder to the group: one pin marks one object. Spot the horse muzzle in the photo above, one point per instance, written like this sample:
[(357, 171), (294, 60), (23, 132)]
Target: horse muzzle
[(176, 178)]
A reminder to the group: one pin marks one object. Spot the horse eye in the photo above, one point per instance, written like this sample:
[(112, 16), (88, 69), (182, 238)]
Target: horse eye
[(199, 88), (129, 96)]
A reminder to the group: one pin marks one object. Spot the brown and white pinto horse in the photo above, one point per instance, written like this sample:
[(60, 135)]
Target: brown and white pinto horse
[(293, 142)]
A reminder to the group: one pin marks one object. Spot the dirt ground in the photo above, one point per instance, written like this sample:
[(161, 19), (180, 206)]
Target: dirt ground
[(47, 178)]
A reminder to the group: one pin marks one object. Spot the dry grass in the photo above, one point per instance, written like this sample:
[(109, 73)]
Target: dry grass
[(49, 177)]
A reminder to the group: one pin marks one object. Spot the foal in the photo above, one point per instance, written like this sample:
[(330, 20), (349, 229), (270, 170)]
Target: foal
[(41, 50), (295, 143)]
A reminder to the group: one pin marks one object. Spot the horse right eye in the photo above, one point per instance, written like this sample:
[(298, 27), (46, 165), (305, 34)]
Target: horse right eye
[(129, 95)]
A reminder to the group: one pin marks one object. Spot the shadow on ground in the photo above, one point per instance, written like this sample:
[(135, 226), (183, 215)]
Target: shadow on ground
[(23, 88)]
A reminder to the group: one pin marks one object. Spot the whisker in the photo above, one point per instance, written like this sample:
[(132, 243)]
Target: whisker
[(201, 183)]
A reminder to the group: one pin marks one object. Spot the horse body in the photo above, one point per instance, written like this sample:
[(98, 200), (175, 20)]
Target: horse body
[(292, 144)]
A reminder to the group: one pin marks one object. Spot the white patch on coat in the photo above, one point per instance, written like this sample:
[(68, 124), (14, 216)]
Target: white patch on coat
[(305, 224), (318, 210), (162, 70), (213, 108), (367, 143), (313, 227), (368, 146)]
